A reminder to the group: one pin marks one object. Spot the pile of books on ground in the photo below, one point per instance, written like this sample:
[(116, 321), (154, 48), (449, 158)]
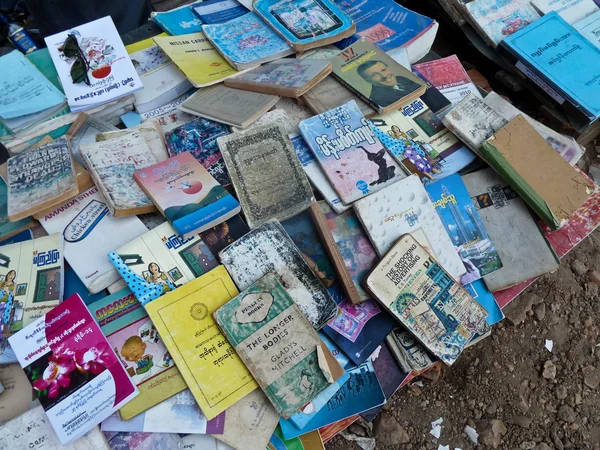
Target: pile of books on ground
[(268, 258)]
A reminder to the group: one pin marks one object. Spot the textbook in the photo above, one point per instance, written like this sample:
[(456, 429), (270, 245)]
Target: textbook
[(246, 42), (408, 210), (140, 350), (330, 93), (186, 194), (9, 228), (90, 232), (39, 179), (263, 323), (107, 74), (353, 159), (306, 24), (266, 174), (375, 77), (570, 10), (589, 27), (218, 11), (270, 249), (287, 77), (413, 287), (17, 394), (209, 364), (178, 21)]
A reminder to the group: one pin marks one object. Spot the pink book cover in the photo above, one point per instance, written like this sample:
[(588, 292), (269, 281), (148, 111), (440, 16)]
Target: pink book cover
[(444, 73)]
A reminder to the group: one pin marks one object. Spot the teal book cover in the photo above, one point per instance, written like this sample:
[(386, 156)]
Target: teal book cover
[(8, 228), (179, 21)]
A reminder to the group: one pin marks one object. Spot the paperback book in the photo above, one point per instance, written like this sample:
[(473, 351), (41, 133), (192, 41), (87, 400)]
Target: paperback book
[(83, 130), (150, 132), (224, 234), (590, 28), (73, 285), (17, 394), (218, 11), (330, 93), (178, 21), (408, 352), (9, 228), (570, 10)]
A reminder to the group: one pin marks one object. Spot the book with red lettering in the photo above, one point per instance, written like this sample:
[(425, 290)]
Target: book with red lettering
[(73, 369)]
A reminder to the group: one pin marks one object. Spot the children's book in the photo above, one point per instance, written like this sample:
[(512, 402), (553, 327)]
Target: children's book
[(196, 58), (247, 41), (590, 28), (408, 352), (413, 286), (17, 393), (465, 228), (266, 174), (163, 260), (209, 364), (263, 324), (31, 281), (105, 73), (150, 132), (570, 10), (270, 249), (199, 137), (39, 179), (287, 77), (330, 93), (408, 210), (353, 159), (178, 21), (83, 130), (66, 357), (375, 77), (10, 228), (218, 11), (224, 234), (306, 24), (186, 194), (138, 346), (90, 233)]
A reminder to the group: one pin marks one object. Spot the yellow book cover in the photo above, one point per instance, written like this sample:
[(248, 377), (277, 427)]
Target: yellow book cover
[(209, 364), (196, 57)]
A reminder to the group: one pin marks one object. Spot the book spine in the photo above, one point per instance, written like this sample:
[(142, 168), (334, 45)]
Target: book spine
[(364, 98)]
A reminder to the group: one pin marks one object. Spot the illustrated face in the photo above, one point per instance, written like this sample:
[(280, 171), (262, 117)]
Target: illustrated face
[(380, 75), (10, 276), (395, 129), (133, 349), (154, 269)]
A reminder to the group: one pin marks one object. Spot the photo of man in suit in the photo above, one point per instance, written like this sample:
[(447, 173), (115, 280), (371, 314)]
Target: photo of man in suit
[(386, 87)]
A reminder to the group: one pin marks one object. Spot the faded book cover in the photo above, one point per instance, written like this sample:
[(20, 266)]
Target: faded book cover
[(17, 394), (330, 93)]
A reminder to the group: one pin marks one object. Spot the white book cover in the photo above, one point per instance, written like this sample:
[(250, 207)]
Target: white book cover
[(90, 233), (101, 58), (570, 10), (404, 207), (590, 28)]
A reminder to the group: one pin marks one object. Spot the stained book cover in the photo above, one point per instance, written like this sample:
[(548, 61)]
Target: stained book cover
[(266, 174), (411, 284), (278, 345), (330, 93), (353, 159), (270, 249)]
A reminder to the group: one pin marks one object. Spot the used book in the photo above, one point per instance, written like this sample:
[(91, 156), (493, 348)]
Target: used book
[(218, 11), (67, 359), (570, 10), (353, 159), (186, 194), (590, 28), (9, 228), (437, 310), (150, 132), (263, 323), (17, 394), (375, 77), (266, 174), (178, 21), (209, 364), (330, 93), (409, 353), (224, 234), (83, 130)]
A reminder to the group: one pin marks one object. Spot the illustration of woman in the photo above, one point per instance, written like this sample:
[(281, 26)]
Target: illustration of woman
[(157, 276), (8, 290)]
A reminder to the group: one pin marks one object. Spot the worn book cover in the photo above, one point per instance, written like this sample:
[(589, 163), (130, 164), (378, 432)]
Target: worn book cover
[(278, 345), (270, 249), (353, 159), (330, 93), (426, 300), (77, 377), (17, 394), (266, 174), (83, 130), (31, 280), (39, 179), (199, 137), (149, 131), (408, 352), (590, 28), (407, 209), (136, 342), (187, 195), (275, 116), (177, 21), (374, 76), (224, 234), (209, 364)]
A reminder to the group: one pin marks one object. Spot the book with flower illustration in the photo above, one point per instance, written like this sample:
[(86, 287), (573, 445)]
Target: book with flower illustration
[(31, 281), (136, 342), (186, 194), (74, 371), (92, 64)]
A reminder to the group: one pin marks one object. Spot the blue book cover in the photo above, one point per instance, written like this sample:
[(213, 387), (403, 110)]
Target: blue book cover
[(465, 228), (384, 23), (179, 21), (218, 11), (25, 235), (485, 298), (6, 227), (73, 285), (360, 393), (564, 58)]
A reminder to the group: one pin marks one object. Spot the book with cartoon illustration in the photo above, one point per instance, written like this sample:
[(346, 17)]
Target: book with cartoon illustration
[(353, 159), (136, 343)]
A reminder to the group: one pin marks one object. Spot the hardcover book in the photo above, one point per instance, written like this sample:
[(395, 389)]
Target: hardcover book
[(247, 41), (186, 194), (39, 179), (411, 284), (306, 24), (150, 132), (138, 346), (65, 356), (287, 77), (90, 233), (263, 323), (408, 210), (218, 11), (570, 10), (17, 394), (209, 364), (375, 77), (270, 249), (590, 28), (279, 192), (330, 93), (178, 21), (353, 159)]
